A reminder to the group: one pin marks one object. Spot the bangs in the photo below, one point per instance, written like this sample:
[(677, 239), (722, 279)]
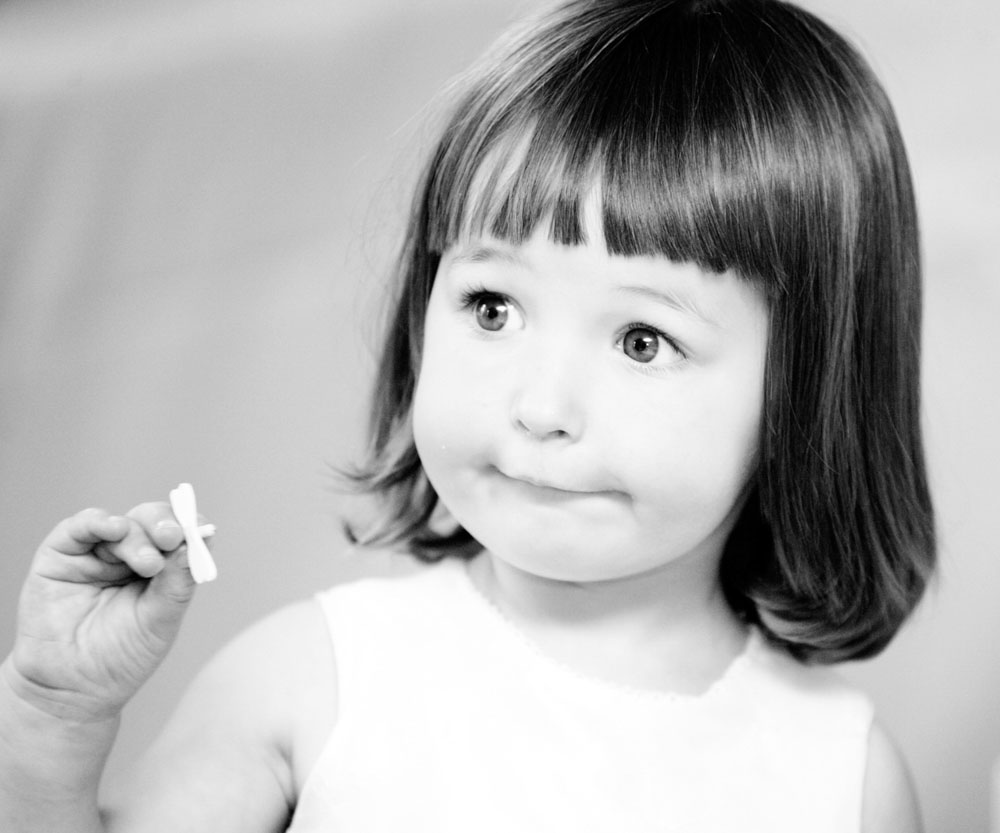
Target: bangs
[(720, 161)]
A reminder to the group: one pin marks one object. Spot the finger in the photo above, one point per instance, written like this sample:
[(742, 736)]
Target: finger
[(158, 520), (79, 534), (136, 549), (172, 588), (118, 561), (86, 570), (80, 549), (168, 593)]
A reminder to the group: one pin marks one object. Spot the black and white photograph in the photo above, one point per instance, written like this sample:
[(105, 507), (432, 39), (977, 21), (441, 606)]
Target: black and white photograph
[(511, 415)]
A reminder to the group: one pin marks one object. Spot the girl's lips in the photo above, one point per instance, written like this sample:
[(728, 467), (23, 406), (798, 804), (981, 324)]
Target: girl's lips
[(552, 488), (537, 483)]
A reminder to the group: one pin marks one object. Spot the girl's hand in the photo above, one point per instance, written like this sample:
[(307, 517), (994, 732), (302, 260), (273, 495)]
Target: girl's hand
[(99, 610)]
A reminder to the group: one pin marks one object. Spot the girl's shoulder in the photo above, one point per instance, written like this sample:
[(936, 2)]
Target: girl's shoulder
[(278, 679), (797, 688), (289, 658), (823, 704), (249, 725), (890, 801)]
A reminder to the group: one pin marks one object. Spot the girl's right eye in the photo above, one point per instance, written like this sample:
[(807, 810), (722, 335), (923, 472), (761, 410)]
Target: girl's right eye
[(490, 309)]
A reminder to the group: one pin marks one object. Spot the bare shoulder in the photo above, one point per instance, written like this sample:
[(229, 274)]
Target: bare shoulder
[(279, 676), (236, 751), (890, 801)]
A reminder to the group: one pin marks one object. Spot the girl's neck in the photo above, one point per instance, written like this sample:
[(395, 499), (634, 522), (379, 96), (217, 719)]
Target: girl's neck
[(670, 630)]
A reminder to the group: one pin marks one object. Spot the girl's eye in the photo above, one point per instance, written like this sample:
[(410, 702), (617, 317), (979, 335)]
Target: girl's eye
[(641, 344), (644, 344), (491, 311)]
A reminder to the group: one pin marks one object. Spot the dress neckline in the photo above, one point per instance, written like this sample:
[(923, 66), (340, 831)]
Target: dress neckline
[(501, 623)]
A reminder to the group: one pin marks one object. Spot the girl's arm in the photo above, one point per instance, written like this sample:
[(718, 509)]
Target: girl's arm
[(99, 609), (890, 802), (233, 757), (98, 612), (49, 766)]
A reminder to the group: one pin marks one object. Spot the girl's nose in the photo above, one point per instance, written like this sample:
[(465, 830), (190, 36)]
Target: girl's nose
[(547, 404)]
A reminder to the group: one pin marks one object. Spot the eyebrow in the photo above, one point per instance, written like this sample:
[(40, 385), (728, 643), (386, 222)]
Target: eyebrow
[(487, 254), (483, 253), (674, 300)]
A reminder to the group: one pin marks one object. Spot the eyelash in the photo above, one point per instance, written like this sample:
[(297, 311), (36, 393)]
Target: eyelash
[(668, 340), (473, 295)]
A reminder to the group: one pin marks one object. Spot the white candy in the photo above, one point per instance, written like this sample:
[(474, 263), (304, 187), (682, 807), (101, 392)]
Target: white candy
[(182, 501)]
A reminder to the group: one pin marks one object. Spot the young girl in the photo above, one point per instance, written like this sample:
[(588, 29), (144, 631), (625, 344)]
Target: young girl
[(648, 401)]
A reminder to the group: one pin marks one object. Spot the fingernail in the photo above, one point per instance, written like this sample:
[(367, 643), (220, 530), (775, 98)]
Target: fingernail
[(168, 534)]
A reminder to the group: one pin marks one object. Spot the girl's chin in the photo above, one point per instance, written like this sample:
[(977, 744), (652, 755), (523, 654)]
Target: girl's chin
[(568, 566)]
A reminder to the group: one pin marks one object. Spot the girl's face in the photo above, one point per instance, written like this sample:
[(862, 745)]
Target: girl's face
[(586, 416)]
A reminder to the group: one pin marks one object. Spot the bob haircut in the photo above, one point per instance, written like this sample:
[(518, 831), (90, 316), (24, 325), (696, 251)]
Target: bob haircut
[(734, 134)]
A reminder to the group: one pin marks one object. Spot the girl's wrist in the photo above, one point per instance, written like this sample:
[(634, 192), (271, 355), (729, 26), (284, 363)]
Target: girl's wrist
[(63, 754), (65, 707)]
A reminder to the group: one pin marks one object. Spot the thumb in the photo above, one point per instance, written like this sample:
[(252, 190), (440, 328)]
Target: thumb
[(168, 594)]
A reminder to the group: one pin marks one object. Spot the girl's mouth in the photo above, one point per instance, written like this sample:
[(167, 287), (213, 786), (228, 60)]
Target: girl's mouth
[(552, 488)]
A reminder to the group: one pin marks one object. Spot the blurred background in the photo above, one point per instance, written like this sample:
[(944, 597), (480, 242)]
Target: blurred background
[(199, 200)]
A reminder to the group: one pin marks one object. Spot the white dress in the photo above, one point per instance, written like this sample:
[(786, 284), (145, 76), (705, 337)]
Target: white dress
[(451, 721)]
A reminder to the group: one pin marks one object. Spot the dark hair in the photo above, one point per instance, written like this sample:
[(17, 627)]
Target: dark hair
[(735, 134)]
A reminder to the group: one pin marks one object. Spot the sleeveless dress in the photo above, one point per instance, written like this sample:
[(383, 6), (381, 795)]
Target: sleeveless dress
[(451, 721)]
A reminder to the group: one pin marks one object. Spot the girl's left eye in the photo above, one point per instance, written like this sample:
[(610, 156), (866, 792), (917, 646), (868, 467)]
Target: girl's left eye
[(642, 344)]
